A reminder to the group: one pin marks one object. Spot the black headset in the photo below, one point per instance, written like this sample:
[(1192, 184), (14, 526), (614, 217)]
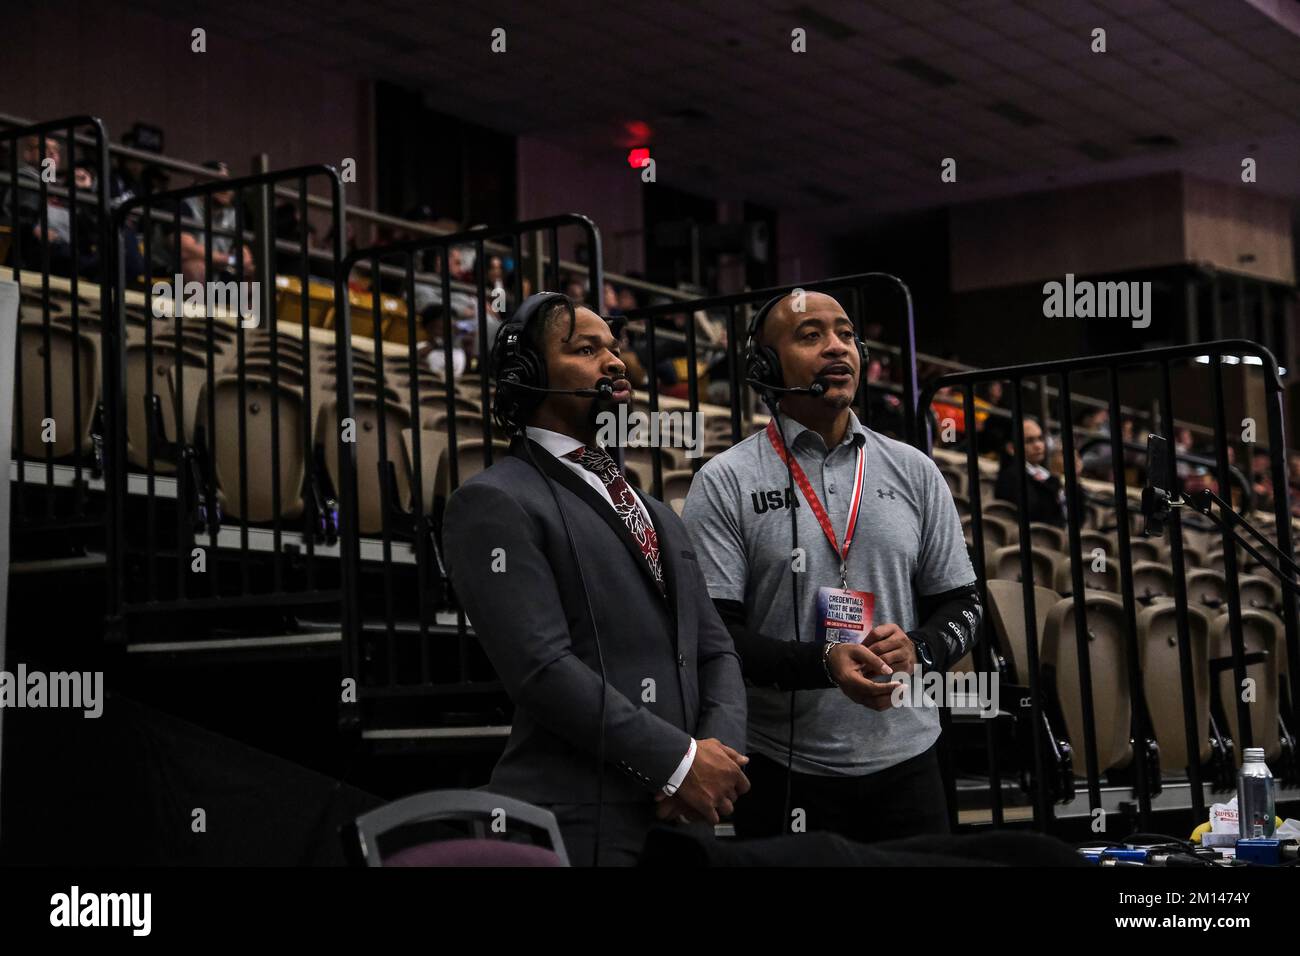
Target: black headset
[(762, 364), (515, 362)]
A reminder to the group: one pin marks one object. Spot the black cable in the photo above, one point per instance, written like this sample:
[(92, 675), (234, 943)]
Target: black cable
[(794, 597), (595, 633)]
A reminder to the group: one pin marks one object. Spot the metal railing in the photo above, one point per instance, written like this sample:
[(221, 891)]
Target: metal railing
[(227, 426), (1051, 784), (60, 357), (430, 433)]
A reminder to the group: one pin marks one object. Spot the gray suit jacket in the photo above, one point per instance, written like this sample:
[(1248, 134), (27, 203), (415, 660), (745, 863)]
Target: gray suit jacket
[(532, 620)]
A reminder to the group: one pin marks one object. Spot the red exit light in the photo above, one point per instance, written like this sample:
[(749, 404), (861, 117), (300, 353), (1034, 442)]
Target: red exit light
[(636, 158)]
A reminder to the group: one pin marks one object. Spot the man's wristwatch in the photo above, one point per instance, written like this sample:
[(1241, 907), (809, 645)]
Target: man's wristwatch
[(922, 652)]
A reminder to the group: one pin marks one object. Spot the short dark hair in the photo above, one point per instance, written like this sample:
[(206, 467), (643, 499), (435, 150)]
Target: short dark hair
[(542, 326)]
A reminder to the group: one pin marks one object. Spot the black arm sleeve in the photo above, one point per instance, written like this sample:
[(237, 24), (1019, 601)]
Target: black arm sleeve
[(769, 661), (951, 624)]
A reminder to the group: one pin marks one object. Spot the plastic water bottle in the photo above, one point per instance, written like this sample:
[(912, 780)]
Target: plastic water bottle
[(1254, 796)]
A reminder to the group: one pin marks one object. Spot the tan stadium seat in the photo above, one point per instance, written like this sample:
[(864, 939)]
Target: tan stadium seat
[(1261, 633), (999, 530), (1146, 549), (433, 450), (259, 405), (1007, 621), (1091, 539), (469, 462), (1206, 588), (1006, 564), (1152, 580), (955, 478), (1111, 701), (1158, 658), (1259, 593), (137, 391), (67, 352), (366, 409), (1048, 536), (1107, 579), (997, 508)]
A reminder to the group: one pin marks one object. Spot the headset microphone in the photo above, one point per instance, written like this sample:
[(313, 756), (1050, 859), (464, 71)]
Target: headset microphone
[(604, 388), (817, 388)]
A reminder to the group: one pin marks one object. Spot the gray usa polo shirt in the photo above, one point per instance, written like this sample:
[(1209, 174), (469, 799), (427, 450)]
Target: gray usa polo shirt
[(908, 542)]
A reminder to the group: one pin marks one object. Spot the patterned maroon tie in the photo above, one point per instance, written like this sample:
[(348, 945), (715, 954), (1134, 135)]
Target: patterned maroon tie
[(596, 461)]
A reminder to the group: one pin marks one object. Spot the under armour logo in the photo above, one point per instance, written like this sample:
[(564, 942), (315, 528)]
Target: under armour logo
[(881, 492)]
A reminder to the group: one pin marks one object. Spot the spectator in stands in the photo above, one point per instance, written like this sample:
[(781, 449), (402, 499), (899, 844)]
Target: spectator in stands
[(581, 617), (861, 766), (884, 407), (1043, 489), (225, 219), (627, 299), (994, 429), (431, 351), (22, 201), (609, 304), (1262, 478)]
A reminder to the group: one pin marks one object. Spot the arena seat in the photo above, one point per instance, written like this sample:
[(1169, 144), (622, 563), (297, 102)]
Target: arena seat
[(1146, 549), (260, 406), (1260, 633), (1152, 580), (1112, 703), (137, 392), (69, 355), (366, 410), (1259, 593), (1006, 564), (1206, 587), (1048, 536), (1158, 657), (288, 300), (1007, 620), (997, 508), (1107, 579)]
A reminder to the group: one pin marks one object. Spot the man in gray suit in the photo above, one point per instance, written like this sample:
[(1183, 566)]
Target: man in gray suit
[(587, 598)]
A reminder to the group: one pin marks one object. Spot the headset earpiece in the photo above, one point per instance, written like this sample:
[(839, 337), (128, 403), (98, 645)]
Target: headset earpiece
[(763, 365), (515, 361)]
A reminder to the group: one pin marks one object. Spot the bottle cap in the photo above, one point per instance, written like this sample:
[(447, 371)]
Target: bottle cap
[(1253, 753)]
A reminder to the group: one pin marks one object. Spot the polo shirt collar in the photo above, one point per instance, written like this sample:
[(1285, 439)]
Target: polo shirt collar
[(855, 434)]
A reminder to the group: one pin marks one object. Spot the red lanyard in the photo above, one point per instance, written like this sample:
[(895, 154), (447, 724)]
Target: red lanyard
[(810, 496)]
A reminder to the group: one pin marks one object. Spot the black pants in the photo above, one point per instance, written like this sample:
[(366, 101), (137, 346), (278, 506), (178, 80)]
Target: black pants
[(904, 800), (623, 831)]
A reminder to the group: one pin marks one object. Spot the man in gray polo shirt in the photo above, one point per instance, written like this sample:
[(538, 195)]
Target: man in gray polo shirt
[(859, 765)]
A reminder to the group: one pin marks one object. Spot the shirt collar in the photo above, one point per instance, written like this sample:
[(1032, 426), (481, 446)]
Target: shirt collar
[(557, 443), (855, 434)]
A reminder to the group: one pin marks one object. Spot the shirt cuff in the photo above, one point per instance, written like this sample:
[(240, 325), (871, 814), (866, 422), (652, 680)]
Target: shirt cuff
[(682, 770)]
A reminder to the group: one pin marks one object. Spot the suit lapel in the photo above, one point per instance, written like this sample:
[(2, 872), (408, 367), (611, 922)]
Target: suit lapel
[(600, 505)]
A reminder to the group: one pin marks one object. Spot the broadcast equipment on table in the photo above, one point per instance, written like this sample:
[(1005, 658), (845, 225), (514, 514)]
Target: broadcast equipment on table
[(1260, 846)]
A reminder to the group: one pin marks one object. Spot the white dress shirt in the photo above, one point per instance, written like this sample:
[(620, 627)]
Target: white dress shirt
[(560, 445)]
